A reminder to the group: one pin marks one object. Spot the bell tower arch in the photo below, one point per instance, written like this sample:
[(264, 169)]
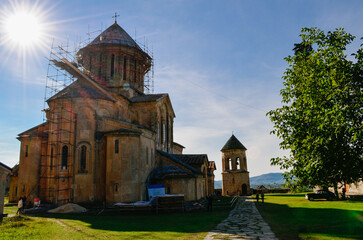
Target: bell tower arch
[(235, 177)]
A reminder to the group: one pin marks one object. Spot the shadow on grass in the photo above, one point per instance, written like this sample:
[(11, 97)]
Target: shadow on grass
[(173, 222), (187, 222), (294, 223), (286, 195)]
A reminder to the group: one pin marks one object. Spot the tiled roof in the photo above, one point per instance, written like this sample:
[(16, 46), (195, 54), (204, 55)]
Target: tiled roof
[(233, 143), (5, 166), (148, 98), (192, 159), (120, 130), (78, 90), (174, 159), (179, 145), (165, 172), (115, 35), (34, 131)]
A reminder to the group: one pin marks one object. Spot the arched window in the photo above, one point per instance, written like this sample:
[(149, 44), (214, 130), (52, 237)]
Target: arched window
[(26, 151), (116, 146), (238, 163), (147, 156), (112, 64), (124, 70), (116, 188), (64, 157), (100, 68), (161, 133), (83, 158), (164, 133), (229, 164)]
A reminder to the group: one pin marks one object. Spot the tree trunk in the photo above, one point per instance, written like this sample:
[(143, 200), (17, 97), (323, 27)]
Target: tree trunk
[(336, 191)]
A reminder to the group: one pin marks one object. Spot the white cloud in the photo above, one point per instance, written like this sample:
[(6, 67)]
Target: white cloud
[(208, 113)]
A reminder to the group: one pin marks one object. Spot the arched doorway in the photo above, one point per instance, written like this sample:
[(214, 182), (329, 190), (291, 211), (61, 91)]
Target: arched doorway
[(244, 189)]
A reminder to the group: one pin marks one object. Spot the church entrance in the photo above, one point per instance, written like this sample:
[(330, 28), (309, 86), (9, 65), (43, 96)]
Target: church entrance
[(244, 189)]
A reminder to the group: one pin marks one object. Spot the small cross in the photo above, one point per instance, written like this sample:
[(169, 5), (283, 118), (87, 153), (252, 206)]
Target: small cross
[(115, 17)]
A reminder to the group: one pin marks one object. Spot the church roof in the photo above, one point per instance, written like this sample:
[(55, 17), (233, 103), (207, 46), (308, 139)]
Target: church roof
[(5, 166), (233, 143), (148, 98), (37, 131), (79, 90), (170, 171), (192, 159), (115, 35), (175, 159)]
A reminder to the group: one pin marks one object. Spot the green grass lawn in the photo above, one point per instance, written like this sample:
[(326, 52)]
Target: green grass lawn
[(291, 216), (187, 225)]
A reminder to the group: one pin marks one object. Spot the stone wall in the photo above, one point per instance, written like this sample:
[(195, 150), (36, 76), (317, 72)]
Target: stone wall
[(233, 181)]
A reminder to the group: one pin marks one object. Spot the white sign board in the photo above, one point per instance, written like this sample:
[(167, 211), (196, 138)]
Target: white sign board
[(156, 190)]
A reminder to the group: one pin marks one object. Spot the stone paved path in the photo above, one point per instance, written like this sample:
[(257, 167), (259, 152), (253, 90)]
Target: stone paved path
[(243, 222)]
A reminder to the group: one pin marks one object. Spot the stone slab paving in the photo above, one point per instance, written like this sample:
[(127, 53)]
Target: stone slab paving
[(243, 222)]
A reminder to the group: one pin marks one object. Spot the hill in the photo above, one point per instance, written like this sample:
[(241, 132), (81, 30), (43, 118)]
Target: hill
[(273, 180)]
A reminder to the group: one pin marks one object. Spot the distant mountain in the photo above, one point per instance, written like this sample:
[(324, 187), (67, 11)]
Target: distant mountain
[(273, 180), (218, 184)]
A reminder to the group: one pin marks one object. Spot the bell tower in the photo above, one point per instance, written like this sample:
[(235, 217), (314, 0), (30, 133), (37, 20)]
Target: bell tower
[(235, 177)]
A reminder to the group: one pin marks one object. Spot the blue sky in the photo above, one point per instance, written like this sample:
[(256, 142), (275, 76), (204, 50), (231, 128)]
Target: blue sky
[(220, 61)]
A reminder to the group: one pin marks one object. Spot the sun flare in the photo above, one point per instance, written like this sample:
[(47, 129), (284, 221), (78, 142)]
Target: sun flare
[(23, 28)]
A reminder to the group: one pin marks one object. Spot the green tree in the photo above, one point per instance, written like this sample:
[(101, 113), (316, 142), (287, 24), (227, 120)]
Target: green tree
[(320, 121)]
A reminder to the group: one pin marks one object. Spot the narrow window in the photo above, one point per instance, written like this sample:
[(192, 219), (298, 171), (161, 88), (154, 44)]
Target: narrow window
[(112, 64), (230, 163), (161, 133), (51, 159), (16, 191), (152, 161), (147, 155), (167, 133), (124, 70), (26, 150), (135, 69), (164, 132), (23, 188), (116, 146), (83, 158), (116, 188), (99, 69), (158, 131), (90, 63), (64, 157), (238, 163)]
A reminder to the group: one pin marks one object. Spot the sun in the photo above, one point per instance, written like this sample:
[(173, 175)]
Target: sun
[(24, 29)]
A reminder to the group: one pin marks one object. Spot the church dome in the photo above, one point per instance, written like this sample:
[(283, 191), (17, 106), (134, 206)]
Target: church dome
[(115, 60), (115, 35)]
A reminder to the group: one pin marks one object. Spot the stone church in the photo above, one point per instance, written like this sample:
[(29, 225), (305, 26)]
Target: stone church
[(104, 138)]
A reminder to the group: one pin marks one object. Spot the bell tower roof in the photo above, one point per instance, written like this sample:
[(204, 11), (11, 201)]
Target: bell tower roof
[(233, 143), (115, 35)]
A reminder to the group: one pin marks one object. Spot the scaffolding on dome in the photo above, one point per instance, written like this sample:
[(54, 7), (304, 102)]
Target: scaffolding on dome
[(57, 79)]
